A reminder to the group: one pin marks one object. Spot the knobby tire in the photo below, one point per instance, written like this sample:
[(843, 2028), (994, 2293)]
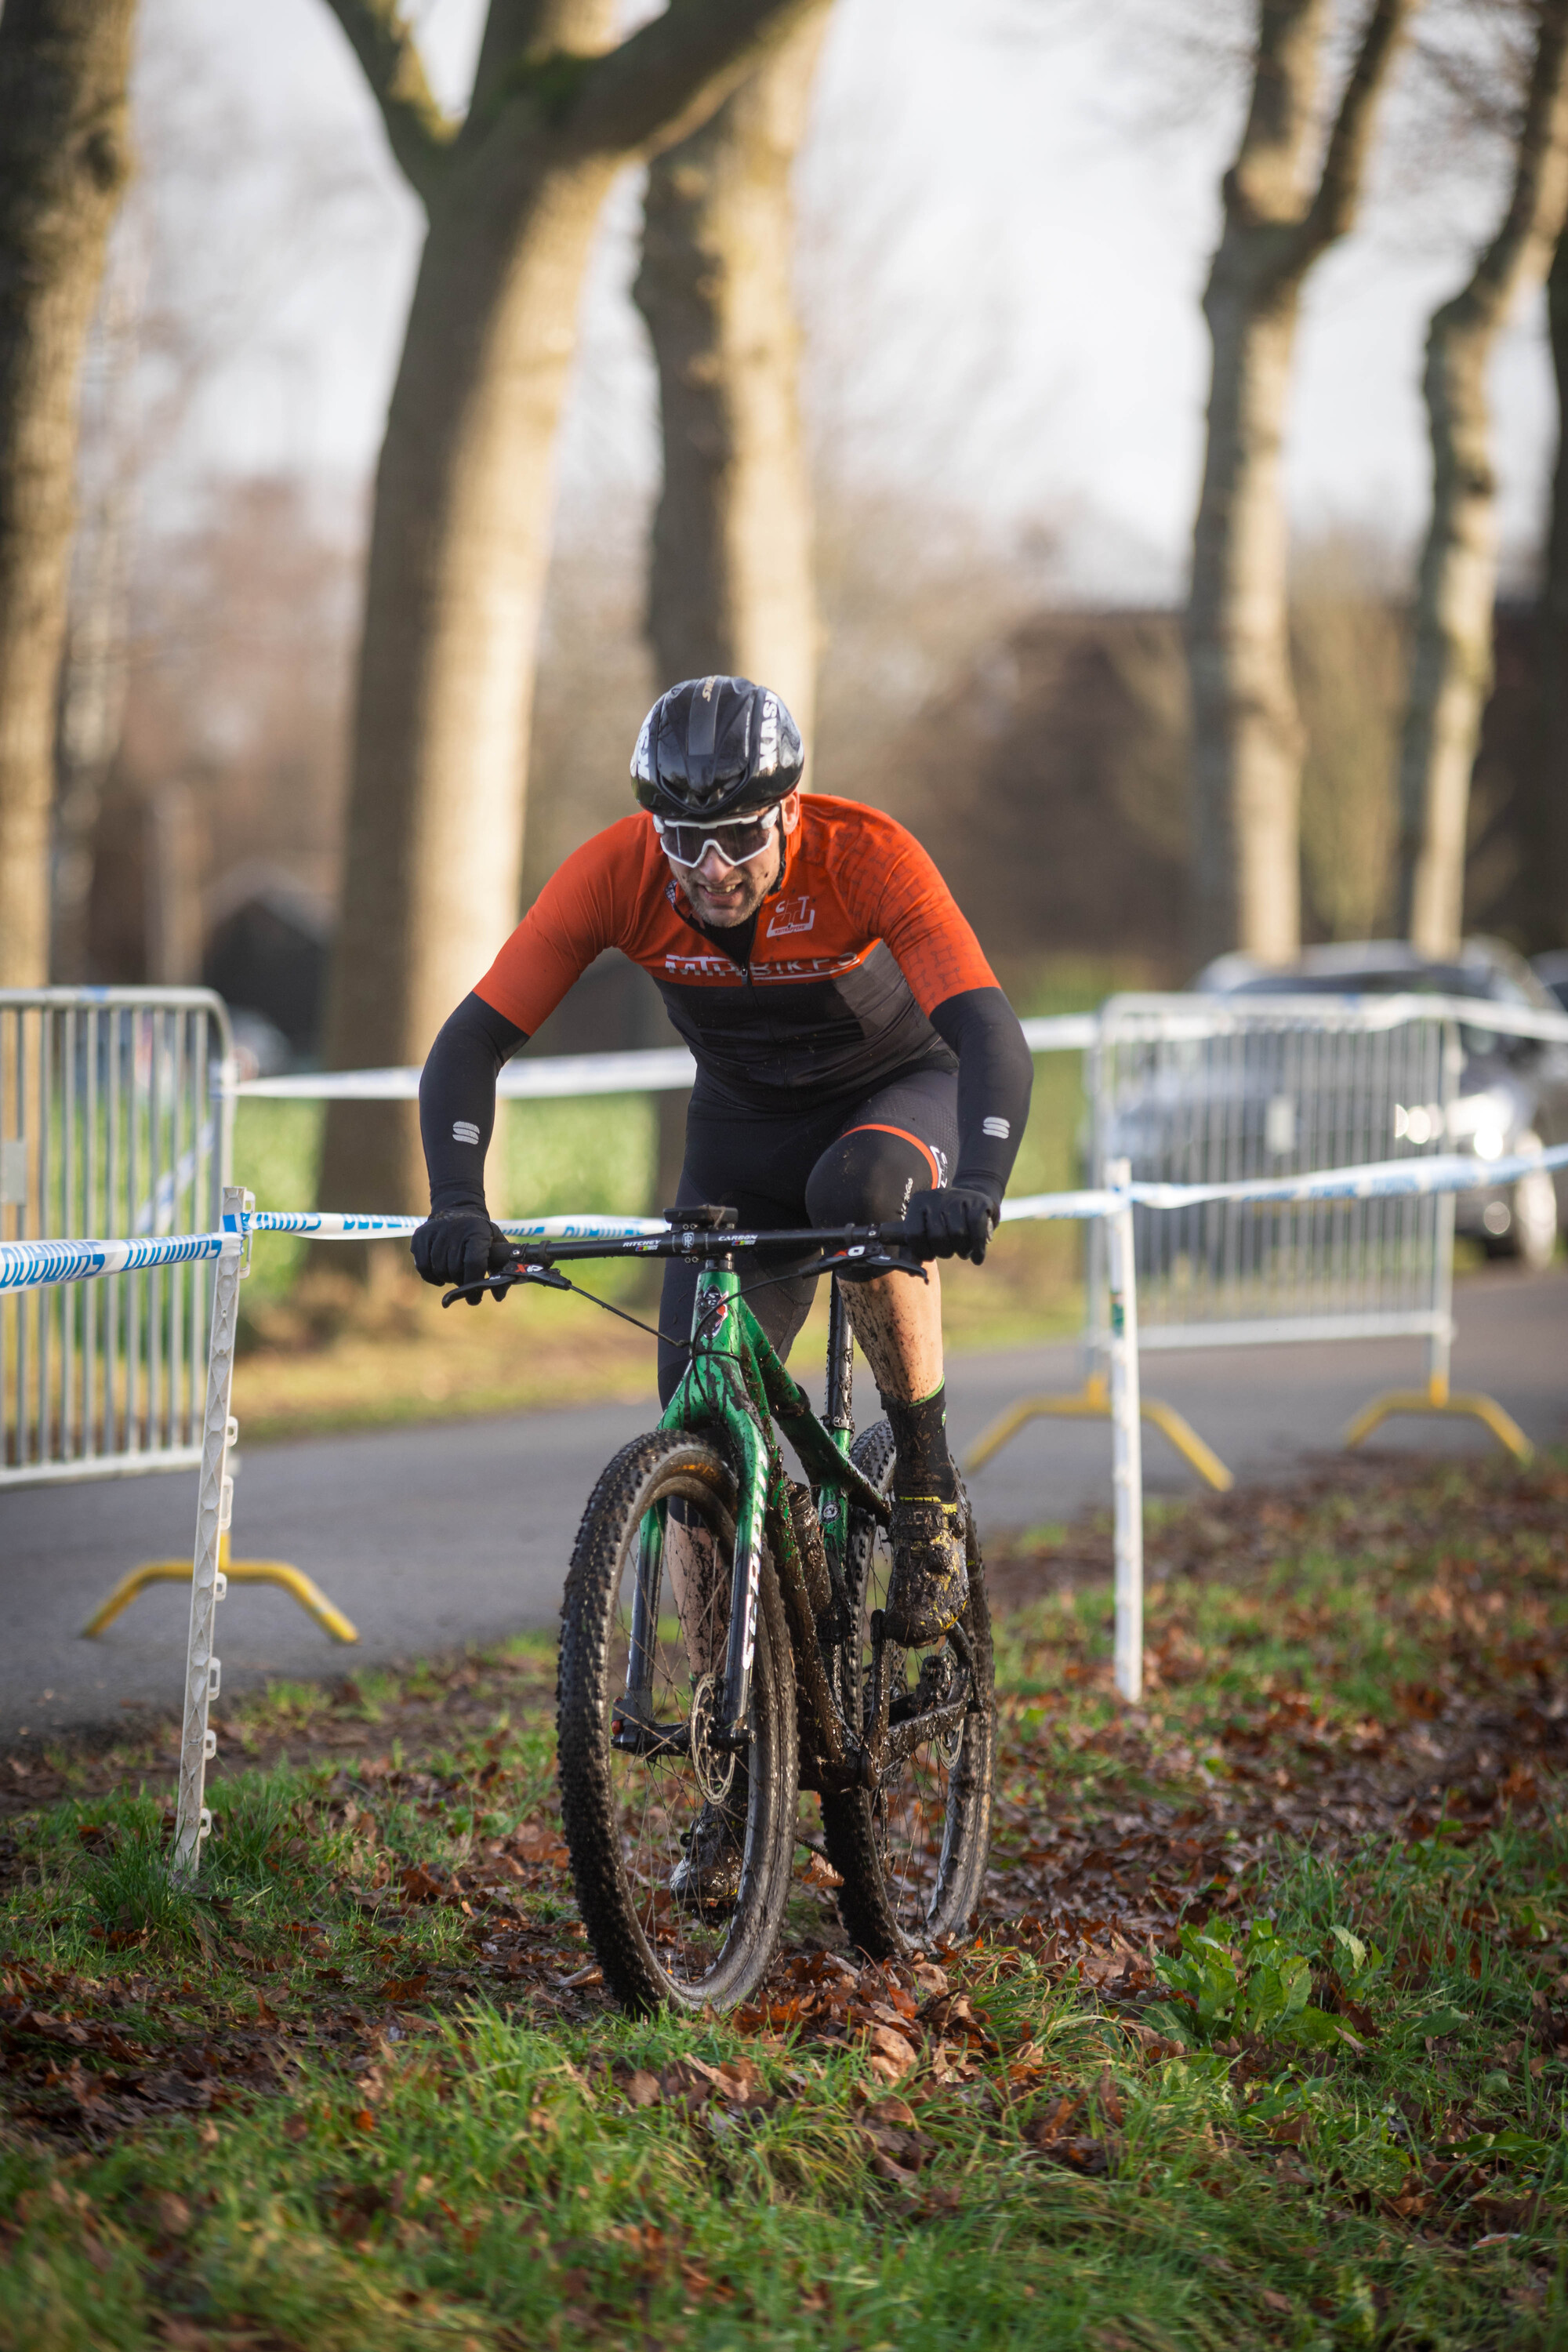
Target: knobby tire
[(652, 1950), (913, 1854)]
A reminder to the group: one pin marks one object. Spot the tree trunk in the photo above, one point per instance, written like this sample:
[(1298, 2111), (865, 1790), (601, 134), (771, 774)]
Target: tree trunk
[(1248, 740), (731, 586), (1451, 663), (460, 542), (64, 159), (1547, 845), (459, 551), (94, 671)]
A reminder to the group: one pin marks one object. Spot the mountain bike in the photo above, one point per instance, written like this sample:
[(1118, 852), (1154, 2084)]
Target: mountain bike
[(722, 1644)]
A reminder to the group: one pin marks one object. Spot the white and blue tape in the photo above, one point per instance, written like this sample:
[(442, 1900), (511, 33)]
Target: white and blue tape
[(28, 1265)]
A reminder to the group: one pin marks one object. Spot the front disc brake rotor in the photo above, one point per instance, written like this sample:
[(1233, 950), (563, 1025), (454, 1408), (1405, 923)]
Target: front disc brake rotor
[(714, 1767)]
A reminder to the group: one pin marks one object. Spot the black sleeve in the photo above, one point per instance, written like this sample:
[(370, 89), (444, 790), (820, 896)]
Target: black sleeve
[(457, 1101), (995, 1077)]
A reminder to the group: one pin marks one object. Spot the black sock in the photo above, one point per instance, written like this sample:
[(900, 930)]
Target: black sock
[(923, 1465)]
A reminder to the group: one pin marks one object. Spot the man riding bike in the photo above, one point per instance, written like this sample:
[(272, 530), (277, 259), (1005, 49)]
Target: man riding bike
[(856, 1061)]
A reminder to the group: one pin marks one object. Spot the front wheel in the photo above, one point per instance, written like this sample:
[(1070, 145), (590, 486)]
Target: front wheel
[(913, 1854), (680, 1851)]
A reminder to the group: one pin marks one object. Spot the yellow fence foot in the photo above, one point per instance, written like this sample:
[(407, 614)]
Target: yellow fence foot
[(1092, 1403), (1437, 1399), (307, 1594), (1188, 1444), (292, 1580)]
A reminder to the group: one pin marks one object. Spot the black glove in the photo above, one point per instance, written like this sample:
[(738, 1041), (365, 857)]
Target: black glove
[(461, 1246), (951, 1223)]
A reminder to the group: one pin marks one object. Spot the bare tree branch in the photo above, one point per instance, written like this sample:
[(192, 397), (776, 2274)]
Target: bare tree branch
[(1534, 215), (1451, 659), (1261, 184), (1487, 91), (417, 132), (542, 44), (670, 75), (1350, 142)]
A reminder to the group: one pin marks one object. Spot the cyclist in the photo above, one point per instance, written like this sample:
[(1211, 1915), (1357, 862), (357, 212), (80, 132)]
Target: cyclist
[(855, 1060)]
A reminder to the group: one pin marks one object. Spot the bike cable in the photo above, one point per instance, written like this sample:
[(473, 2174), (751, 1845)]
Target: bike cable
[(553, 1279), (557, 1281)]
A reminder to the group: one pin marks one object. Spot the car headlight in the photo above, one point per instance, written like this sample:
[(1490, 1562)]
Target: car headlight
[(1486, 1118)]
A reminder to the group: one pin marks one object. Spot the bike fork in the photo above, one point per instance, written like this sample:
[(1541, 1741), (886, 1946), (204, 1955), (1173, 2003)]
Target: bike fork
[(747, 1586), (638, 1703)]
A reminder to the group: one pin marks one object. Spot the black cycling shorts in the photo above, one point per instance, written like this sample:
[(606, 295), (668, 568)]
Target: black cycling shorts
[(842, 1162)]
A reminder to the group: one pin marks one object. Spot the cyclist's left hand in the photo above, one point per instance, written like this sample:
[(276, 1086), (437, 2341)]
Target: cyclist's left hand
[(951, 1223)]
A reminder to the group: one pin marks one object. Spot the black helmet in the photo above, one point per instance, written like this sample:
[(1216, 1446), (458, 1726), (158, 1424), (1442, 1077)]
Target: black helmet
[(716, 747)]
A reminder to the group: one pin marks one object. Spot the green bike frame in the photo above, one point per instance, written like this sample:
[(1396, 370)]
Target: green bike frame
[(734, 1389)]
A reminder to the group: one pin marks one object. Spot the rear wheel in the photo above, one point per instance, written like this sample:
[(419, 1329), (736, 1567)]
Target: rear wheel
[(654, 1828), (912, 1854)]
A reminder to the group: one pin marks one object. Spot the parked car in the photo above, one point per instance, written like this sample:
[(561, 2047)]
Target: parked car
[(1513, 1093)]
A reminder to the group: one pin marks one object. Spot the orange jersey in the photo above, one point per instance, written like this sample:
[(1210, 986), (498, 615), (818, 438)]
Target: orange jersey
[(859, 941)]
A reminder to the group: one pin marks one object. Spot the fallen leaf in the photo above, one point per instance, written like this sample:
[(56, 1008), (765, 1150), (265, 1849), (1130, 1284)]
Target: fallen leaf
[(892, 2056)]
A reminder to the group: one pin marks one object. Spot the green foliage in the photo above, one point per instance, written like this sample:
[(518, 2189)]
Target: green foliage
[(556, 1157), (277, 1155), (1259, 1987), (547, 1158)]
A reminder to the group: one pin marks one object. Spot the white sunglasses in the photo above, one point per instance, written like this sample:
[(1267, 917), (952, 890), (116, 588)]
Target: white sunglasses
[(737, 840)]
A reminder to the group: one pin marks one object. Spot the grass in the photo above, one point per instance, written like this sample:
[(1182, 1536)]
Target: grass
[(1262, 2039)]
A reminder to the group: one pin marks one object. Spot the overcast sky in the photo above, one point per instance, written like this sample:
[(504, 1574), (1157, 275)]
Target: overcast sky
[(1006, 210)]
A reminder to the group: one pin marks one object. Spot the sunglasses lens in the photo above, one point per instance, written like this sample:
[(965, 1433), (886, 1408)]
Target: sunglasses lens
[(736, 842)]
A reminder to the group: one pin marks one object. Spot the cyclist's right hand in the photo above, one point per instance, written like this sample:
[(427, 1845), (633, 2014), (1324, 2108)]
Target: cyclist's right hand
[(459, 1246)]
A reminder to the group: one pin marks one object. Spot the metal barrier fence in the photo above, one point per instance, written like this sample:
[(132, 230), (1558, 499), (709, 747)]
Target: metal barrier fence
[(116, 1114), (1195, 1092), (1227, 1093)]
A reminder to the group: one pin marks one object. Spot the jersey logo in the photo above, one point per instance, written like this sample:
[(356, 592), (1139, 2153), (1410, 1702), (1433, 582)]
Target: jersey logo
[(791, 915), (696, 967)]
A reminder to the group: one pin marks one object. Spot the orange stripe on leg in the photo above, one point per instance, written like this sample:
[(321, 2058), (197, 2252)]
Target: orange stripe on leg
[(875, 1127)]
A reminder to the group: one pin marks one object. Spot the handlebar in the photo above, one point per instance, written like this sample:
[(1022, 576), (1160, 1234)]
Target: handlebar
[(705, 1245), (862, 1249)]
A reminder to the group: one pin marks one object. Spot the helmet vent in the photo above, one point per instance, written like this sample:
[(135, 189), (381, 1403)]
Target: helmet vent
[(768, 737), (704, 722)]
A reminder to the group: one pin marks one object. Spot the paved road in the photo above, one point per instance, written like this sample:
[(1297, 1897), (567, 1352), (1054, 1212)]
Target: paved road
[(432, 1537)]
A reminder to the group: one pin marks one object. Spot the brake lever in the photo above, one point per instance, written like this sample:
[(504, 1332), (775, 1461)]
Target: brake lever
[(545, 1277), (851, 1261), (895, 1266)]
